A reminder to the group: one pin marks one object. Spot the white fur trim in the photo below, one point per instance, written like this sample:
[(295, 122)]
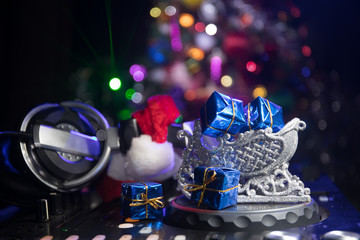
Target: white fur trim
[(147, 160)]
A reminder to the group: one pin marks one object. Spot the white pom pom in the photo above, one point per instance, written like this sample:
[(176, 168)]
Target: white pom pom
[(147, 160)]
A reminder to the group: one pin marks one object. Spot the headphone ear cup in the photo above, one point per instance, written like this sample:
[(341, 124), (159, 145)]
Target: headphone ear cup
[(64, 148)]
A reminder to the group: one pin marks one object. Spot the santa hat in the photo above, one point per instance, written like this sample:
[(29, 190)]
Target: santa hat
[(150, 156)]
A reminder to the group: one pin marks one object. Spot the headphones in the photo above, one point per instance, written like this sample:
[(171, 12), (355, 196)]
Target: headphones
[(60, 147)]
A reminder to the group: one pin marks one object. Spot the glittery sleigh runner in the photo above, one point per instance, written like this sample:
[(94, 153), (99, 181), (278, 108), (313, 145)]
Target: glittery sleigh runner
[(261, 156)]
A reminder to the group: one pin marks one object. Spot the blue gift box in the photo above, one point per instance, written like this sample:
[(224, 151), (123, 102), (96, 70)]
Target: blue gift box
[(142, 200), (215, 187), (222, 114), (261, 114)]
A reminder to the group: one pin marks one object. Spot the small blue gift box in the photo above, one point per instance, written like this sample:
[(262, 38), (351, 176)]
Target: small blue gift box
[(142, 200), (261, 114), (222, 114), (214, 187)]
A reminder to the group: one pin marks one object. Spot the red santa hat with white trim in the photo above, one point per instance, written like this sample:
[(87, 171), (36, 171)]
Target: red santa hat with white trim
[(151, 156)]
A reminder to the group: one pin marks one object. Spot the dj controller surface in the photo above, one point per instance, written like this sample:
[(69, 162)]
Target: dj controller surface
[(74, 217)]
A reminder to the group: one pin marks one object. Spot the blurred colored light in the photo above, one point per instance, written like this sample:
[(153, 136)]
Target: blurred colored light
[(246, 19), (190, 95), (306, 51), (175, 37), (305, 71), (176, 44), (200, 27), (204, 41), (139, 87), (129, 93), (211, 29), (134, 68), (137, 97), (259, 91), (192, 3), (208, 11), (251, 66), (138, 72), (215, 68), (226, 81), (303, 31), (170, 10), (193, 66), (335, 106), (158, 57), (282, 16), (295, 12), (322, 124), (186, 20), (138, 76), (124, 114), (115, 84), (196, 53), (155, 12)]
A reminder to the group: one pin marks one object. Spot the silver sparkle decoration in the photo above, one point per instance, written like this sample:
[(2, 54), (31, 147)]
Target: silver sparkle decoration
[(261, 156)]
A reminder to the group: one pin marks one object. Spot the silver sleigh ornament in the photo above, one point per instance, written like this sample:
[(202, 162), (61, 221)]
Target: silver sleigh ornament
[(261, 156)]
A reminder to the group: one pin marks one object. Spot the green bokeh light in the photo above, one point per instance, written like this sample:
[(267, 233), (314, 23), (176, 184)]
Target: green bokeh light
[(124, 114), (115, 84), (129, 93)]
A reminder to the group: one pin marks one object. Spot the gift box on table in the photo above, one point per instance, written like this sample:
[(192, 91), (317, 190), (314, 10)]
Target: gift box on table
[(214, 187), (142, 200), (222, 114), (261, 114)]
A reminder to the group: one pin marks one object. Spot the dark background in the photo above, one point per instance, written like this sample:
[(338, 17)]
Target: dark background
[(44, 42)]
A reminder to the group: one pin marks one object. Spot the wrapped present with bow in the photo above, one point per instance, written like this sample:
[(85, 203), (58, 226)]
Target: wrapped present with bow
[(261, 114), (142, 200), (222, 114), (214, 187)]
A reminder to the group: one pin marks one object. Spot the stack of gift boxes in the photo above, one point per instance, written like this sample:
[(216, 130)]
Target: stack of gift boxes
[(214, 187)]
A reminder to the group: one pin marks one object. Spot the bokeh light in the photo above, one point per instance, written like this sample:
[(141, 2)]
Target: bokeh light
[(259, 91), (115, 84), (200, 27), (226, 81), (139, 87), (138, 72), (190, 95), (193, 66), (282, 16), (134, 68), (246, 19), (138, 76), (306, 51), (155, 12), (251, 66), (295, 12), (215, 68), (170, 11), (204, 41), (124, 114), (175, 37), (129, 93), (306, 72), (137, 98), (186, 20), (211, 29), (196, 53)]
